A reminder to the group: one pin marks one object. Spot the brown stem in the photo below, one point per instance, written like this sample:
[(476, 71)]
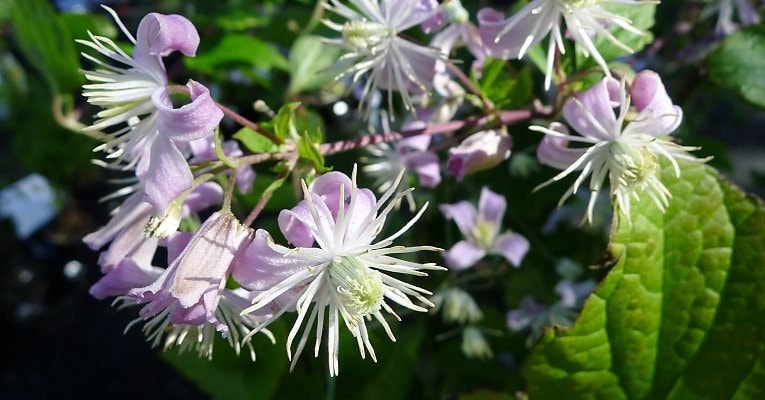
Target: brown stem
[(258, 208), (239, 119), (487, 108)]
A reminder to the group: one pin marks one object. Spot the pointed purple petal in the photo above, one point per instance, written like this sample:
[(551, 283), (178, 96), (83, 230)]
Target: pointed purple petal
[(463, 213), (491, 207), (599, 101), (168, 175)]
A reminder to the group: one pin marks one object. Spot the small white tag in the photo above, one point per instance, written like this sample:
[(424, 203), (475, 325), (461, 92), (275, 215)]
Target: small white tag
[(29, 203)]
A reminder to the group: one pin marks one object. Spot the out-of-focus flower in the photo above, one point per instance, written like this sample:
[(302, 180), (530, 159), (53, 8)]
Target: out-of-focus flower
[(513, 37), (346, 275), (474, 344), (481, 151), (536, 317), (134, 94), (625, 147), (459, 31), (457, 306), (204, 150), (725, 9), (374, 48), (481, 230)]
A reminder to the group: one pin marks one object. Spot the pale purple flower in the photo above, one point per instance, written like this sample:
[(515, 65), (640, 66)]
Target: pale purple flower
[(481, 229), (133, 92), (513, 37), (345, 275), (480, 151), (624, 147), (459, 31), (374, 48), (387, 160)]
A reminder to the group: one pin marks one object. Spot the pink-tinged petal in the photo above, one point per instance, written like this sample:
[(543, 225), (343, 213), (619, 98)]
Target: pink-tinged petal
[(420, 62), (491, 207), (657, 116), (327, 187), (159, 35), (245, 179), (512, 246), (446, 39), (200, 271), (203, 149), (554, 151), (131, 211), (260, 267), (464, 215), (296, 224), (599, 102), (190, 122), (463, 255), (132, 242), (168, 176), (204, 196), (526, 24), (122, 278), (472, 39)]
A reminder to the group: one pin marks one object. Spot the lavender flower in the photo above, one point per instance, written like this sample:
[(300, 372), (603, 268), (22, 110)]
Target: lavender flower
[(481, 230), (374, 48), (625, 147), (513, 37), (345, 275), (135, 96)]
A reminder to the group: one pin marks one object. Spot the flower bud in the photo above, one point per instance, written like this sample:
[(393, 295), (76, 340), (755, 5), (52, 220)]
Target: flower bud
[(481, 151)]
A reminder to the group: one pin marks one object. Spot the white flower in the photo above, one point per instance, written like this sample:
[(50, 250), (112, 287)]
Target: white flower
[(513, 37), (371, 37), (625, 147), (346, 275)]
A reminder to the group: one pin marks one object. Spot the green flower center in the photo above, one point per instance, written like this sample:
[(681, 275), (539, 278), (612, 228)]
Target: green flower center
[(362, 35), (359, 288), (484, 234)]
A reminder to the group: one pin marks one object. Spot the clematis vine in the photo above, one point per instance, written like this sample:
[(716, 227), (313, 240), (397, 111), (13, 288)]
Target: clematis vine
[(624, 147), (513, 37), (481, 229), (149, 134), (371, 37), (345, 275)]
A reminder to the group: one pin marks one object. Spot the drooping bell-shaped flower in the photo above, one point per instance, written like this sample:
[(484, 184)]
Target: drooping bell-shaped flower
[(189, 290), (624, 147), (345, 275), (513, 37), (481, 229), (375, 49), (147, 129)]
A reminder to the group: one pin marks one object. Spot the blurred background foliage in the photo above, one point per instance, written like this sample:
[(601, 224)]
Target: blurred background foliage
[(65, 343)]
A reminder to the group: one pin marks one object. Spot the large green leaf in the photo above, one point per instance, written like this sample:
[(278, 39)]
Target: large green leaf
[(238, 49), (681, 315), (641, 16), (310, 59), (46, 43), (738, 64)]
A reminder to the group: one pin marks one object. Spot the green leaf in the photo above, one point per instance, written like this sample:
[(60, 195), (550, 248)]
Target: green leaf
[(237, 49), (738, 64), (232, 377), (46, 44), (283, 119), (500, 84), (682, 314), (79, 25), (308, 150), (255, 142), (310, 59)]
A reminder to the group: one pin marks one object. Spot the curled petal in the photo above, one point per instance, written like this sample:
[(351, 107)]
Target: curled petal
[(160, 35), (296, 224), (657, 115), (190, 122)]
